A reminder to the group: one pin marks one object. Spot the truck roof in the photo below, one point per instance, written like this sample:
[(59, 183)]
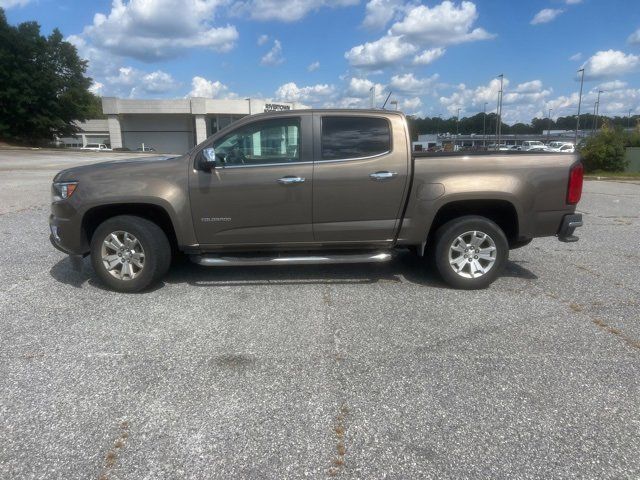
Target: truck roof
[(352, 111)]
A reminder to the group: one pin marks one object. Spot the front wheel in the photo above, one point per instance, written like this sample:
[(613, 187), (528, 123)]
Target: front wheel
[(130, 253), (470, 252)]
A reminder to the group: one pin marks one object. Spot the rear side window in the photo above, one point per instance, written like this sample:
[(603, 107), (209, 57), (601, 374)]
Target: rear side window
[(354, 137)]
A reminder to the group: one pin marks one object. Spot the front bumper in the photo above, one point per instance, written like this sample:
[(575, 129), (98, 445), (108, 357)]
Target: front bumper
[(568, 226)]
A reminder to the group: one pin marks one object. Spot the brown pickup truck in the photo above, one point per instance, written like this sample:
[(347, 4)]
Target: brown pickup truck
[(313, 187)]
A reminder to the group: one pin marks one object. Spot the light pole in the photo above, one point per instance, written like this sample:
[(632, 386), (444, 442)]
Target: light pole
[(484, 127), (458, 123), (549, 124), (629, 120), (373, 96), (499, 119), (597, 113), (579, 104)]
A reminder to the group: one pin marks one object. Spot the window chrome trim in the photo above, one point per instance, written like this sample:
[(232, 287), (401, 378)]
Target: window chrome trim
[(225, 167), (388, 152)]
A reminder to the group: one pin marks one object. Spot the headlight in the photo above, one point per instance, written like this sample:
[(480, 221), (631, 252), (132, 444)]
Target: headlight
[(63, 190)]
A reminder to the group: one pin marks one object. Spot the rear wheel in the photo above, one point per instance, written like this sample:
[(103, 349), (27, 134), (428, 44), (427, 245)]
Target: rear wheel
[(470, 252), (130, 253)]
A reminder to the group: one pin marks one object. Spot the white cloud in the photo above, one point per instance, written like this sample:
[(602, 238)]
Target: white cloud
[(262, 39), (529, 87), (290, 92), (410, 105), (313, 66), (546, 15), (576, 57), (420, 28), (150, 30), (525, 101), (610, 63), (134, 83), (13, 3), (612, 85), (361, 87), (96, 88), (201, 87), (380, 53), (634, 38), (408, 83), (274, 56), (289, 11), (429, 56), (443, 24), (379, 13)]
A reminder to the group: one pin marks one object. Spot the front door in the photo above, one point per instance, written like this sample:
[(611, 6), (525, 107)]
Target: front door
[(260, 192), (360, 177)]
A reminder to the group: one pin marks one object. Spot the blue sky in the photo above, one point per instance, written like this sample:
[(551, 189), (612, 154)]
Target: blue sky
[(435, 56)]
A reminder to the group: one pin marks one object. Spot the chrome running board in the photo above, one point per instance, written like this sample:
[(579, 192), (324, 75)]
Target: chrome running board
[(289, 259)]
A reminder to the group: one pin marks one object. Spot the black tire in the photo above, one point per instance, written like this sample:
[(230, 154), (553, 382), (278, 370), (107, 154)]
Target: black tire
[(154, 242), (448, 233)]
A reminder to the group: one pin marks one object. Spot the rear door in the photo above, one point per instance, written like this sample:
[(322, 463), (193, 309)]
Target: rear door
[(361, 173), (260, 193)]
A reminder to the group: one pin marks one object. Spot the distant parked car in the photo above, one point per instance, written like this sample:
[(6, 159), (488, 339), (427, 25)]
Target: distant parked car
[(96, 147), (533, 146), (145, 148), (563, 147)]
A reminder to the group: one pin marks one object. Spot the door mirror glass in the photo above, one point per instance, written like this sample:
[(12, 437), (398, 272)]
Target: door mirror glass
[(209, 158)]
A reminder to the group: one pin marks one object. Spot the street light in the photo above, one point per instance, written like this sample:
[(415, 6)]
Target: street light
[(484, 127), (457, 123), (579, 104), (597, 113), (499, 112), (549, 124)]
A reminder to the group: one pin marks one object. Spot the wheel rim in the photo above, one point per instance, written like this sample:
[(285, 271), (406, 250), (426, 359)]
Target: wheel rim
[(472, 254), (122, 255)]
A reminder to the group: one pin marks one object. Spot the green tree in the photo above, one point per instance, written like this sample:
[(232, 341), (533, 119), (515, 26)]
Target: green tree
[(605, 151), (43, 87)]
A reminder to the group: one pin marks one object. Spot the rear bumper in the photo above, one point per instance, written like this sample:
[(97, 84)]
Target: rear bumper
[(568, 226)]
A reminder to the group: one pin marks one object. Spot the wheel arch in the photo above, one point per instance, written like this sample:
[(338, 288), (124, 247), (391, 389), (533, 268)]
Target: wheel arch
[(96, 215), (501, 211)]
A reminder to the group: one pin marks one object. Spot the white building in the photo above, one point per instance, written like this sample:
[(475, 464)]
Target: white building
[(171, 126)]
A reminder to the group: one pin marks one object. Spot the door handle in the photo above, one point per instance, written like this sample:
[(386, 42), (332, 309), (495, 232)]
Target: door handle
[(382, 176), (289, 180)]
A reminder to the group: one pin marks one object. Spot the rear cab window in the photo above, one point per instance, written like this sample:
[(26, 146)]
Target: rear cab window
[(349, 137)]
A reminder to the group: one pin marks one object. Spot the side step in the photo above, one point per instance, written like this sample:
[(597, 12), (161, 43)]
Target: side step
[(291, 259)]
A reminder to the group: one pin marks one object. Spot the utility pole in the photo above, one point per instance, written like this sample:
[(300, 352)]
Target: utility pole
[(549, 124), (484, 127), (373, 96), (597, 113), (579, 104), (499, 119)]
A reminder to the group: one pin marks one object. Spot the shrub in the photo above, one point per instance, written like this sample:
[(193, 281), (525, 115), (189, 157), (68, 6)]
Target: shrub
[(605, 151)]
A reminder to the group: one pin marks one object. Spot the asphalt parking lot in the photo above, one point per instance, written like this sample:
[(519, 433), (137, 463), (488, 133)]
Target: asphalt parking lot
[(370, 371)]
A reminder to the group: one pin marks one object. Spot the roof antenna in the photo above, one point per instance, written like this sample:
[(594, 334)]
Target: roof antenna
[(385, 102)]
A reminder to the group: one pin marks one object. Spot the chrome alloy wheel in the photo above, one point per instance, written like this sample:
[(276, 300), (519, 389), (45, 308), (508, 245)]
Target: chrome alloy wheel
[(122, 255), (472, 254)]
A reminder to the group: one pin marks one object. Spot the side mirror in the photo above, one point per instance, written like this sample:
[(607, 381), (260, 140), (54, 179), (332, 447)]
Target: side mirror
[(209, 158)]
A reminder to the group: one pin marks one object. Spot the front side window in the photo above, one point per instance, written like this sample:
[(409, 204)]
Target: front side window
[(261, 143), (354, 137)]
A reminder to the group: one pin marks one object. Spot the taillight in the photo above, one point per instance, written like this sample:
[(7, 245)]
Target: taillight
[(574, 191)]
